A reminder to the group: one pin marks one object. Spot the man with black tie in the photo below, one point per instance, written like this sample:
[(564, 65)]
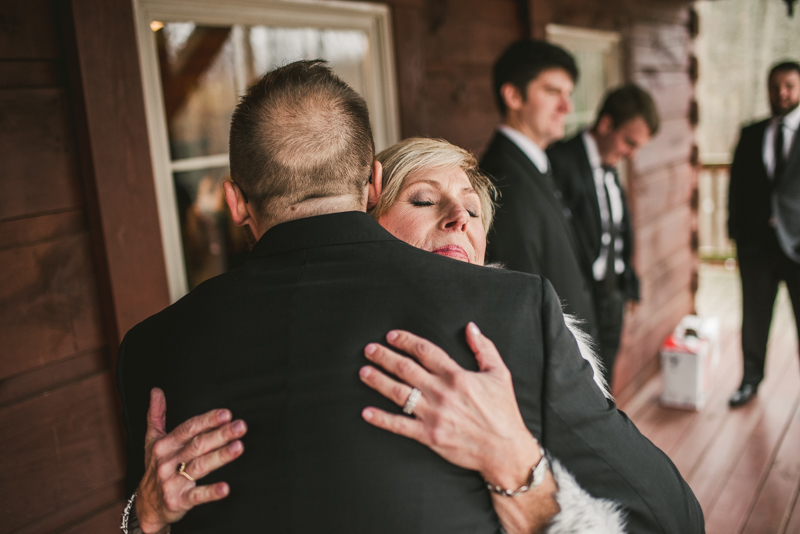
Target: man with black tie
[(584, 168), (764, 219), (532, 232), (280, 342)]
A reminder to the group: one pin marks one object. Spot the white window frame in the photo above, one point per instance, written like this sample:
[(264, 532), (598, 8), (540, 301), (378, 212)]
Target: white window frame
[(380, 87)]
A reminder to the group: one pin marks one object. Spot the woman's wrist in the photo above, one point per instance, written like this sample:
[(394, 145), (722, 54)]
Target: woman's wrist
[(511, 468)]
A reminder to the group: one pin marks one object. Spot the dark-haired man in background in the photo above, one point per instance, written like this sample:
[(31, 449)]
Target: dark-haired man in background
[(532, 232), (764, 219), (584, 168)]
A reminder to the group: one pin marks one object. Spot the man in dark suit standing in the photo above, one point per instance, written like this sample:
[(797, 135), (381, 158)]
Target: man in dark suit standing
[(764, 219), (532, 233), (584, 168), (280, 341)]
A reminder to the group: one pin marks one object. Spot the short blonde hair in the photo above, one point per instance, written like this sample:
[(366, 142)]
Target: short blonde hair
[(416, 154)]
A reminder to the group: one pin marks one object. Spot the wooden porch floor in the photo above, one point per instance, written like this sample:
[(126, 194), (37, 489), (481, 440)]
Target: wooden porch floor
[(744, 464)]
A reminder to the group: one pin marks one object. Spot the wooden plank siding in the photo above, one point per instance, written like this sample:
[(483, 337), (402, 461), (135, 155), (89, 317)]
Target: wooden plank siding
[(60, 439)]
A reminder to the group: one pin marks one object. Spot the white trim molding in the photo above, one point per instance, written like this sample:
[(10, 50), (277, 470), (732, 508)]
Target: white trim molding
[(380, 87)]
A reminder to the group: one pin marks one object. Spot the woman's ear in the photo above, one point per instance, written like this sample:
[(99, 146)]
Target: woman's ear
[(375, 186)]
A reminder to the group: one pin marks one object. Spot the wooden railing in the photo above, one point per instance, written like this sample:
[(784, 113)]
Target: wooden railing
[(713, 212)]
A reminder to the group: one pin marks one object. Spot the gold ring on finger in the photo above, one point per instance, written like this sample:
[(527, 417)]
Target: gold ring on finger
[(182, 472)]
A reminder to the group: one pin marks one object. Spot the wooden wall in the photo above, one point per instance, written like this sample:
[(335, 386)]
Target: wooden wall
[(60, 454), (77, 217), (445, 52)]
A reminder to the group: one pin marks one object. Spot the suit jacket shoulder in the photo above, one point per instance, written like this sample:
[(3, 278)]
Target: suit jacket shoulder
[(532, 232)]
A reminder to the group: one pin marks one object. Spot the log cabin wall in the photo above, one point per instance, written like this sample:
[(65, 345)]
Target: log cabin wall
[(61, 462), (77, 227), (445, 51)]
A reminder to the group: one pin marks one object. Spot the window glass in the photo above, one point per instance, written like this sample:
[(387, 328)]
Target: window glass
[(203, 70)]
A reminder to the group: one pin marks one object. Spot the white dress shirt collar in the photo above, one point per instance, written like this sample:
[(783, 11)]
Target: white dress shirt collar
[(791, 122), (792, 119), (531, 149)]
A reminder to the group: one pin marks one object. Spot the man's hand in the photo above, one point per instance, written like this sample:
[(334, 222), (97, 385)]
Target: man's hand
[(471, 419), (204, 443)]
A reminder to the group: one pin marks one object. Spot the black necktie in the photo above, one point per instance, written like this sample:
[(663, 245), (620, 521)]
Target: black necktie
[(780, 160)]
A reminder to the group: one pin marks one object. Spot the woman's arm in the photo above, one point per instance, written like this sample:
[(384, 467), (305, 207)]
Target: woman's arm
[(472, 420)]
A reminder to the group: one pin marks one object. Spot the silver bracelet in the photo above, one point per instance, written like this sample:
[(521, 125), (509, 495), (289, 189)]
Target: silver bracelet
[(538, 472), (126, 514)]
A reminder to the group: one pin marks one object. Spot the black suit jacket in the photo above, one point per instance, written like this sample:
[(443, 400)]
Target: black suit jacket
[(753, 197), (280, 341), (531, 231), (575, 178), (749, 195)]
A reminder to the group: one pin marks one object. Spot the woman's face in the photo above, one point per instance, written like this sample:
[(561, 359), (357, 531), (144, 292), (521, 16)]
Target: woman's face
[(437, 210)]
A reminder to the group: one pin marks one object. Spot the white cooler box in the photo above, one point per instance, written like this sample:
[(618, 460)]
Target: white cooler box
[(688, 358)]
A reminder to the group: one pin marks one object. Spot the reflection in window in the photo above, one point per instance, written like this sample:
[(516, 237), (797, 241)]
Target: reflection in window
[(212, 244), (203, 70)]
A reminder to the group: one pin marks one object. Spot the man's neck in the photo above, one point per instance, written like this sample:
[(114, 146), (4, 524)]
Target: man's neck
[(313, 207), (513, 122)]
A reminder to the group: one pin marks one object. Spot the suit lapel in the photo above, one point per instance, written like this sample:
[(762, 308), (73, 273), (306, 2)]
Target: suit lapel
[(586, 175), (544, 183)]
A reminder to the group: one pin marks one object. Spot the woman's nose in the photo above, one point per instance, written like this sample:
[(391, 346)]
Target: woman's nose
[(457, 219)]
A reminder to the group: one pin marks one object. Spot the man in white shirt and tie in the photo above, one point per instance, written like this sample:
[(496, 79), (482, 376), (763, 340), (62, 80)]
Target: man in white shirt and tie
[(764, 219), (584, 168)]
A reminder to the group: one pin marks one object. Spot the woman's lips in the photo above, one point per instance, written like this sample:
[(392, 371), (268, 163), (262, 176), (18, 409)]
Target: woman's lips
[(453, 251)]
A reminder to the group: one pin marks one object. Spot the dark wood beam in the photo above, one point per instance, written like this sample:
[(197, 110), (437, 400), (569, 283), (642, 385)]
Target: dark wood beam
[(115, 164)]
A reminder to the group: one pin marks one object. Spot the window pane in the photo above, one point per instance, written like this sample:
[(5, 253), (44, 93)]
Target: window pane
[(197, 66), (212, 244), (345, 50)]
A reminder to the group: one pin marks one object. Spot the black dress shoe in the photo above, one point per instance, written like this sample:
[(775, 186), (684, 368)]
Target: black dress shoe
[(743, 395)]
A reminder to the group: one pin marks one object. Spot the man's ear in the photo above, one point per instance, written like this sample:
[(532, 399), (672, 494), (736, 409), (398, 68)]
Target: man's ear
[(605, 125), (511, 96), (240, 212), (375, 188)]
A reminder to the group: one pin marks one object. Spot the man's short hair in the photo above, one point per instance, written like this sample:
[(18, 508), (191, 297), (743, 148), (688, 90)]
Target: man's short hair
[(300, 132), (523, 61), (784, 66), (628, 102)]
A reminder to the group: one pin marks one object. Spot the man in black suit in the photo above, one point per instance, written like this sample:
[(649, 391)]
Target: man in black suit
[(532, 233), (280, 342), (764, 219), (584, 168)]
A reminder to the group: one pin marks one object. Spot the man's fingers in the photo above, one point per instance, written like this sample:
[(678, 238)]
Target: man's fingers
[(486, 353), (393, 390), (202, 465), (210, 493), (402, 367), (397, 424), (156, 415)]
